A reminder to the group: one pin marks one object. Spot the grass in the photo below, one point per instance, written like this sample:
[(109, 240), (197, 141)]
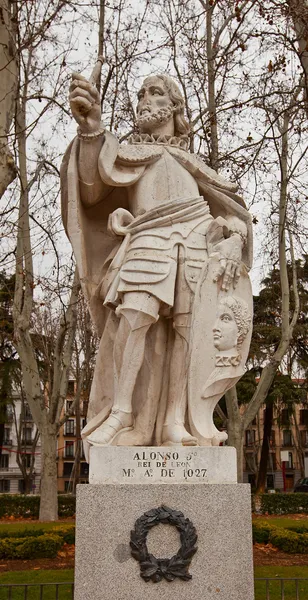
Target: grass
[(275, 586), (31, 525), (37, 577), (65, 592), (284, 521)]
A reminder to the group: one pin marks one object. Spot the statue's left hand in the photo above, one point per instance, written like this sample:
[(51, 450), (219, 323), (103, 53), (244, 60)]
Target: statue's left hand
[(230, 256)]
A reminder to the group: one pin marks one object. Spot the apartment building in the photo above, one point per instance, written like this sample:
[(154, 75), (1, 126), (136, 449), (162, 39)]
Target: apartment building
[(289, 435), (67, 445), (19, 424)]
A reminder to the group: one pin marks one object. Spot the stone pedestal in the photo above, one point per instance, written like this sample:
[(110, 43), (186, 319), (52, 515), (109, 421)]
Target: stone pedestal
[(106, 513)]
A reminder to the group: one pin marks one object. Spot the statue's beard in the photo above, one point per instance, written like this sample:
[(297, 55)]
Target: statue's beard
[(162, 115)]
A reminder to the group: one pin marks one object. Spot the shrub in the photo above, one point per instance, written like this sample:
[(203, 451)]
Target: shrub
[(298, 528), (66, 505), (289, 541), (67, 533), (21, 533), (19, 505), (280, 504), (261, 532), (43, 546)]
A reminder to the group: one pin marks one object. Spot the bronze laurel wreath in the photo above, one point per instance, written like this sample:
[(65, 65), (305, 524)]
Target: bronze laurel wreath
[(155, 569)]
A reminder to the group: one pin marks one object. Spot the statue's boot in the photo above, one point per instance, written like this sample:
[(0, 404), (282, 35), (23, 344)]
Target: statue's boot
[(176, 435), (117, 422)]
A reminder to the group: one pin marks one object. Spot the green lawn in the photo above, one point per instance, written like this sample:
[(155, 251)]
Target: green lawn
[(23, 525), (36, 577), (275, 586), (65, 592), (283, 521)]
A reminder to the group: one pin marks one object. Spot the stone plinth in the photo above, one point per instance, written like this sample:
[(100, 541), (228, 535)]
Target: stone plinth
[(221, 569), (165, 465)]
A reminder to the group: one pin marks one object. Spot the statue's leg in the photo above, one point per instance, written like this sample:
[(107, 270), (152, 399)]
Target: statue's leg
[(174, 431), (138, 312)]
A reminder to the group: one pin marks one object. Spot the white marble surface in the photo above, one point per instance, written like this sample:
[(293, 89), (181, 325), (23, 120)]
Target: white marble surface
[(133, 465), (168, 290)]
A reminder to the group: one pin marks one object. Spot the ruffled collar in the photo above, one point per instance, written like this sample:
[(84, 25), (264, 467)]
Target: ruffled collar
[(164, 140)]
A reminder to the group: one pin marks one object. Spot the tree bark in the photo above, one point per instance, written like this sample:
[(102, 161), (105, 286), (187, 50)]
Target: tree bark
[(267, 430), (8, 87), (210, 53), (49, 494), (235, 430), (298, 10)]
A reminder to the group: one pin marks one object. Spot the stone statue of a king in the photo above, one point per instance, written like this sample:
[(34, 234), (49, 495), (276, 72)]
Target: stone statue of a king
[(163, 248)]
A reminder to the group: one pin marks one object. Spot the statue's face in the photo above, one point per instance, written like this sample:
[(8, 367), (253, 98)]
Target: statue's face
[(154, 105), (225, 330)]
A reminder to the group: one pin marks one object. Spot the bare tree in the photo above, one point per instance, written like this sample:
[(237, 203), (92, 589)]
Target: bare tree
[(8, 88)]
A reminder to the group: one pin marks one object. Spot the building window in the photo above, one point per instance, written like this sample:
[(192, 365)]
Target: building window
[(304, 438), (28, 461), (287, 437), (69, 406), (270, 481), (9, 414), (66, 486), (271, 463), (286, 416), (21, 486), (26, 413), (67, 469), (4, 461), (69, 449), (5, 485), (252, 480), (303, 416), (7, 436), (69, 427), (250, 436), (84, 469), (26, 435), (71, 388), (289, 464)]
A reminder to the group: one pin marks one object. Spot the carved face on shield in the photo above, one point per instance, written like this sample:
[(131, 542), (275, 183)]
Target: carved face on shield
[(232, 324)]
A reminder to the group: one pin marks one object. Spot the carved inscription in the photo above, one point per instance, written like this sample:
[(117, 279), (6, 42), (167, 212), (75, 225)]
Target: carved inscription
[(163, 465)]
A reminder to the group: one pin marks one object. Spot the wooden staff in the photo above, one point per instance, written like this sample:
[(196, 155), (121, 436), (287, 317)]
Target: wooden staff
[(97, 70)]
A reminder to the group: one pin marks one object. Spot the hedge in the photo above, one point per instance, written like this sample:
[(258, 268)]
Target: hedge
[(261, 532), (43, 546), (67, 533), (289, 541), (20, 505), (280, 504)]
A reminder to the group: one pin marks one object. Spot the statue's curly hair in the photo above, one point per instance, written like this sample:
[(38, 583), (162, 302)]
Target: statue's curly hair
[(181, 126), (242, 315)]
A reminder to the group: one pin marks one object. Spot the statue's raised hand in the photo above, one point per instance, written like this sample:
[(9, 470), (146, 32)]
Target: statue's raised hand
[(85, 103)]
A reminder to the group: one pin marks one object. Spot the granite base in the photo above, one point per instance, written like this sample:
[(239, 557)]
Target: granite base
[(221, 569)]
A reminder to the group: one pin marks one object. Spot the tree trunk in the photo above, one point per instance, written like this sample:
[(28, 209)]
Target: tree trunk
[(267, 431), (49, 495), (8, 86), (211, 86), (236, 439)]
